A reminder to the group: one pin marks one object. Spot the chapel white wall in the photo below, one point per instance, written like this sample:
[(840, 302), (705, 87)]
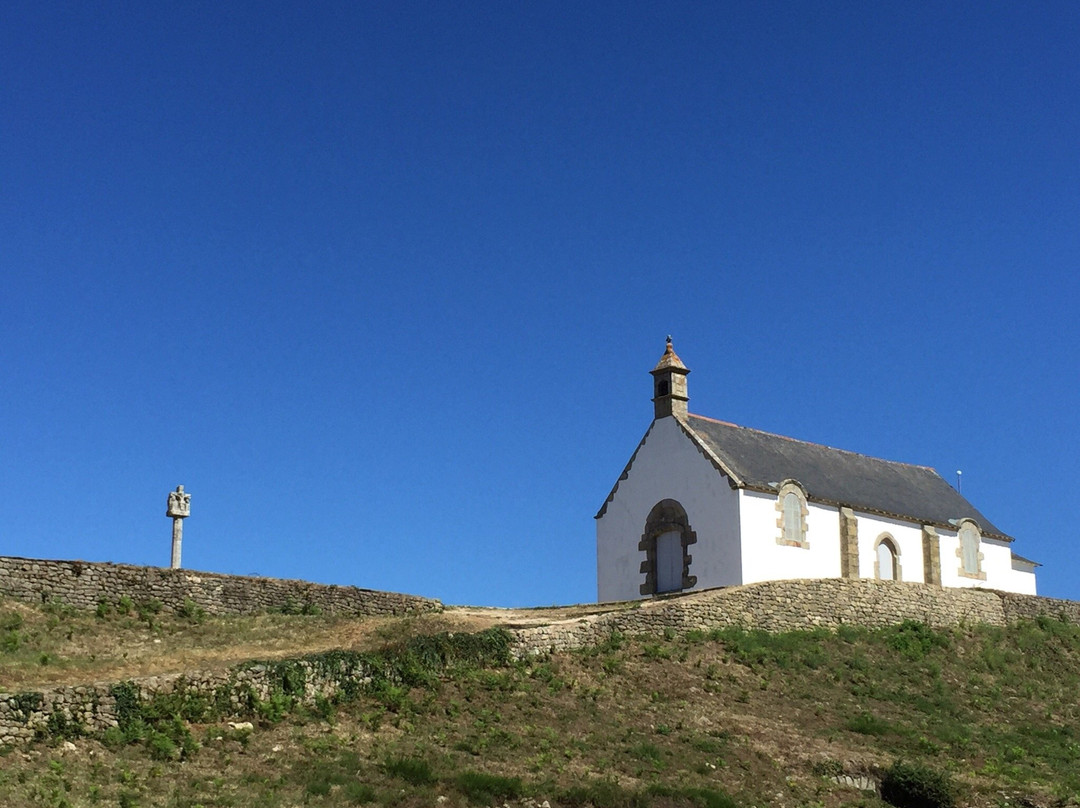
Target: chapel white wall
[(737, 531), (668, 466), (907, 539), (763, 559), (996, 562)]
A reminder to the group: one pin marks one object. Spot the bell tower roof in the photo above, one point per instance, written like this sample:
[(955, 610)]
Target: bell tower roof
[(669, 385), (670, 359)]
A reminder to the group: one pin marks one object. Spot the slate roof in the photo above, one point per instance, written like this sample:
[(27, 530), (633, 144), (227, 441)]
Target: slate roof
[(755, 459)]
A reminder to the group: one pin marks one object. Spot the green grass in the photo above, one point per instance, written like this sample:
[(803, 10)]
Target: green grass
[(414, 771), (709, 719), (867, 724), (483, 788)]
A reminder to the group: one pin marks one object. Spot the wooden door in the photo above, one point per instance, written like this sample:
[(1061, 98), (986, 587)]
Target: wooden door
[(669, 561)]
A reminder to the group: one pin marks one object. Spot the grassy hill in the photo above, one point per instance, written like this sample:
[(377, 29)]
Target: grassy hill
[(701, 719)]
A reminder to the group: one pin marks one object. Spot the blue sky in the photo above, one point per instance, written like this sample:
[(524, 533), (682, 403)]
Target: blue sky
[(381, 283)]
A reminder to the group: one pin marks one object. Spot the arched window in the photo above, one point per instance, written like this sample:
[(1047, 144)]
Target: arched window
[(792, 517), (970, 557), (791, 504), (666, 542), (886, 559)]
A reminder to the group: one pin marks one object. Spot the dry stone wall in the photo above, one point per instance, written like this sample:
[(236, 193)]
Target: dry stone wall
[(770, 606), (1029, 607), (84, 584), (790, 605), (92, 709)]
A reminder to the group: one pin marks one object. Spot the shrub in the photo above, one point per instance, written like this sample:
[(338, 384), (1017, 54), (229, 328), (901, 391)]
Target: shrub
[(914, 639), (319, 788), (602, 794), (323, 708), (9, 621), (26, 703), (653, 651), (711, 798), (190, 610), (161, 746), (485, 788), (394, 698), (645, 751), (114, 738), (274, 708), (60, 726), (702, 797), (159, 722), (10, 641), (827, 768), (867, 724), (414, 771), (292, 606), (787, 650), (146, 609), (128, 709), (58, 610), (913, 785), (172, 740), (357, 792)]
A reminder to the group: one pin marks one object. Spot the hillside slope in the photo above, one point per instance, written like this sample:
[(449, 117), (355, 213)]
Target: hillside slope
[(728, 717)]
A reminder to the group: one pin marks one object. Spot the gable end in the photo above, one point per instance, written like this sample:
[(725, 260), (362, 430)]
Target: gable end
[(710, 455), (625, 471)]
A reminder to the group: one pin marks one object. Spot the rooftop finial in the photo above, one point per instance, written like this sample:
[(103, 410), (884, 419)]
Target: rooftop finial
[(670, 358)]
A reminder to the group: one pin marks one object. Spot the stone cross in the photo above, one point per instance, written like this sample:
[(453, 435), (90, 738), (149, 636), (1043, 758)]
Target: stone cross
[(179, 509)]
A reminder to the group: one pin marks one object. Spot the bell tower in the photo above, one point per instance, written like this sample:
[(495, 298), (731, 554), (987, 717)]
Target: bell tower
[(669, 385)]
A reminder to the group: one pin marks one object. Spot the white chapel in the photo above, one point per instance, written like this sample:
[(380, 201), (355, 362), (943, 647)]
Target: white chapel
[(705, 503)]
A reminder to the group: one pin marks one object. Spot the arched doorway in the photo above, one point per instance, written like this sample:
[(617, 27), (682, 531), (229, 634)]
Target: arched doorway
[(666, 541)]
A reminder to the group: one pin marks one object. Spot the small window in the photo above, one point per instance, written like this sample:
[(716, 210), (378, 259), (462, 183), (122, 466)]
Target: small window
[(791, 518), (970, 541), (887, 565), (662, 388), (969, 549)]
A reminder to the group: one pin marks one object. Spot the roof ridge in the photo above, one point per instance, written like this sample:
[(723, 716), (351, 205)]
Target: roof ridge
[(812, 443)]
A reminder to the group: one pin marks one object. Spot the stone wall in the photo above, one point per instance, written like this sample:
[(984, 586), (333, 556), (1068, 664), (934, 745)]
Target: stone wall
[(1028, 607), (770, 606), (84, 584), (91, 709), (802, 604)]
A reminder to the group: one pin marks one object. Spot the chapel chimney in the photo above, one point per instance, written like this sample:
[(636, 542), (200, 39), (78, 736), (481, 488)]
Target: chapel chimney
[(669, 385)]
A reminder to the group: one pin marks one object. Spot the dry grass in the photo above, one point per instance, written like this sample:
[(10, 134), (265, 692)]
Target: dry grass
[(57, 645), (61, 646), (672, 722)]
